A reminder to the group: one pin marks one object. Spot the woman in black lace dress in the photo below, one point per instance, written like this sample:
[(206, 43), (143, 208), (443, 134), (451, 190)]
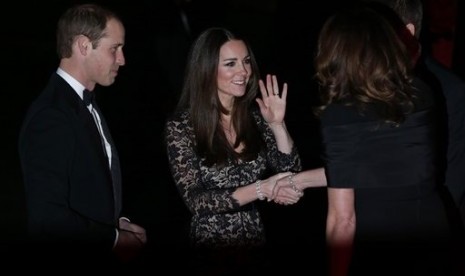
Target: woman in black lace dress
[(221, 147)]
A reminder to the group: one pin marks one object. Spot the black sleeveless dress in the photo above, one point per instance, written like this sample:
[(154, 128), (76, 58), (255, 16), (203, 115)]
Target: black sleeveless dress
[(402, 224)]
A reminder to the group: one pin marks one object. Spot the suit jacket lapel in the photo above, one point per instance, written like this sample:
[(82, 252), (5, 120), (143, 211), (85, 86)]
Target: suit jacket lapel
[(115, 164)]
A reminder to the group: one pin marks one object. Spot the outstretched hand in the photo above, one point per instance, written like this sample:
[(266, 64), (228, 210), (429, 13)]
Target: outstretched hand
[(273, 102)]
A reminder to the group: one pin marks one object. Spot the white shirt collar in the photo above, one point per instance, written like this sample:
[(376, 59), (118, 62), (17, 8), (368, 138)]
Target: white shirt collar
[(77, 86)]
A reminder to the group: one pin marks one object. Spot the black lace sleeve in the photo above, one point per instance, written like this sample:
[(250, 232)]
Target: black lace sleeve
[(278, 161)]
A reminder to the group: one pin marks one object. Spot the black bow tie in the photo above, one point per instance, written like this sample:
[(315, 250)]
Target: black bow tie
[(88, 97)]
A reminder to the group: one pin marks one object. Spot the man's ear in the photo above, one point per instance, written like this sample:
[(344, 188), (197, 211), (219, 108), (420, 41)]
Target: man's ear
[(83, 44), (411, 28)]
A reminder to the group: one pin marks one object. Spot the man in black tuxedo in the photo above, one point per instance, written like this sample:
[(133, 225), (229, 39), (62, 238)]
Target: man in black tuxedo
[(69, 162)]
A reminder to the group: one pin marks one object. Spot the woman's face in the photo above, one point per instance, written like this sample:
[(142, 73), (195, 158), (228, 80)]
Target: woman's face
[(234, 71)]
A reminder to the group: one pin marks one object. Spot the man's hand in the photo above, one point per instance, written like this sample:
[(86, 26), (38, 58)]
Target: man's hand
[(131, 240)]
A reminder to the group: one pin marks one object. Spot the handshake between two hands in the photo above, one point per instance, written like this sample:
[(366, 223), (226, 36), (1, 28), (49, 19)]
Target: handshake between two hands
[(282, 189)]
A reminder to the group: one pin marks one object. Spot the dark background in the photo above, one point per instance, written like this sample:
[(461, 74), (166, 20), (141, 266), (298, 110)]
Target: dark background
[(282, 35)]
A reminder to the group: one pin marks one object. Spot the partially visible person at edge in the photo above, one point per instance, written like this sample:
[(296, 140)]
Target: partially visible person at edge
[(71, 170), (385, 214), (451, 90), (221, 148), (450, 97)]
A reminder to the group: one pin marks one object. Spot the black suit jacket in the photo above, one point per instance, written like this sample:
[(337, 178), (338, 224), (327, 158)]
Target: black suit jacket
[(70, 194), (452, 90)]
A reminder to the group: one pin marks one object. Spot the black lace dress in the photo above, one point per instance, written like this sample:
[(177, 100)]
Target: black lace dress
[(217, 219)]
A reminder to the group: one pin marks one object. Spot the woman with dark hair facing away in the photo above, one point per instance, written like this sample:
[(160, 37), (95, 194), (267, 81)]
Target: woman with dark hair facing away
[(385, 216), (221, 147)]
